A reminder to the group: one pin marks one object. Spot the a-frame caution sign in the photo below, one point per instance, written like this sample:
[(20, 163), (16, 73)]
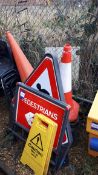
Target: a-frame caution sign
[(46, 78), (33, 155)]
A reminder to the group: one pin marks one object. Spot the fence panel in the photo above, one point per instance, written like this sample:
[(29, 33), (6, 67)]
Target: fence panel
[(42, 25)]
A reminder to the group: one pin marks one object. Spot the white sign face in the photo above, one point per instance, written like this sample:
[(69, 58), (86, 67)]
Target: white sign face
[(29, 117), (43, 83), (46, 78)]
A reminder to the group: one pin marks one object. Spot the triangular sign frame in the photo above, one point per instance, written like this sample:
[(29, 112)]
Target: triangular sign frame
[(38, 139), (47, 74)]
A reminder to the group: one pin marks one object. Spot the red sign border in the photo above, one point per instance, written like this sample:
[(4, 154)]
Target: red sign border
[(55, 71), (48, 98)]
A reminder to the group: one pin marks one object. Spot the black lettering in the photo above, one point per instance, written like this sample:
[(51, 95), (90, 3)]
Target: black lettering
[(34, 151)]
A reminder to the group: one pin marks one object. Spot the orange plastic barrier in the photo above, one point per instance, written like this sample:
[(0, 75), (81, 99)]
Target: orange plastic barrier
[(23, 65)]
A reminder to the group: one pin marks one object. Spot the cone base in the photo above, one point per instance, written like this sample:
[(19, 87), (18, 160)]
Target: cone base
[(68, 98), (73, 115)]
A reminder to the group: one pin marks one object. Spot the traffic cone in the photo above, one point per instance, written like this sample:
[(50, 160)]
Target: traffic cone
[(66, 76), (23, 65)]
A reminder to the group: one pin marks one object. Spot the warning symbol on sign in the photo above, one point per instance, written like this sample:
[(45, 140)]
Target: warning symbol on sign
[(37, 141), (46, 78)]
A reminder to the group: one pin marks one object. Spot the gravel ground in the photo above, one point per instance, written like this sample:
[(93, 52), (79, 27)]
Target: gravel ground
[(10, 150)]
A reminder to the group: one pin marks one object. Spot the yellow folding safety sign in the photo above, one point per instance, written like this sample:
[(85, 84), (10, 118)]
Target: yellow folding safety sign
[(39, 145), (92, 119)]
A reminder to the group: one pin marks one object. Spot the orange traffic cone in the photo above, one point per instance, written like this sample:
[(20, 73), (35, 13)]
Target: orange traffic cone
[(66, 76), (23, 65)]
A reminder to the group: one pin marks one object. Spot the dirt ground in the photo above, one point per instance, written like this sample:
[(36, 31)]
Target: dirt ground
[(80, 163)]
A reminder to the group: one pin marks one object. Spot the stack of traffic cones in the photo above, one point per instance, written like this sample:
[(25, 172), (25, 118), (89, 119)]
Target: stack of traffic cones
[(66, 76)]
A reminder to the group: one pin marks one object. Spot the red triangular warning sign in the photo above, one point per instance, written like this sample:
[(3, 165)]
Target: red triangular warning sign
[(46, 78)]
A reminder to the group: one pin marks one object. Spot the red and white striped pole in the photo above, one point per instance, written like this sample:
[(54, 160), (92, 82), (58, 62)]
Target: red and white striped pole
[(65, 70), (66, 76)]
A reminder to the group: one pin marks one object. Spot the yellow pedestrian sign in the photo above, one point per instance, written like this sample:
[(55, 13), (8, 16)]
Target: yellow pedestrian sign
[(38, 148)]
